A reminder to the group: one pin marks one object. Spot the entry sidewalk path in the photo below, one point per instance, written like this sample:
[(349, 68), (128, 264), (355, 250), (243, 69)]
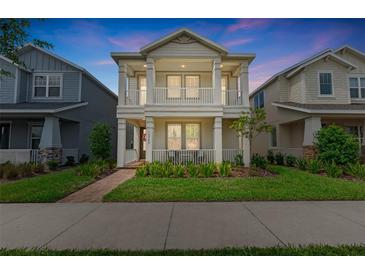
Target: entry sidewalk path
[(143, 226), (96, 191)]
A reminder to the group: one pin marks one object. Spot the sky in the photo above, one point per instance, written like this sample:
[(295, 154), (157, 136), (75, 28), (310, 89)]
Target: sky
[(277, 43)]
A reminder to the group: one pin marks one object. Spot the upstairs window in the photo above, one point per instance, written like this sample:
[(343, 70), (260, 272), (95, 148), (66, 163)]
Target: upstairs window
[(143, 89), (259, 100), (192, 86), (173, 86), (325, 83), (357, 87), (47, 86)]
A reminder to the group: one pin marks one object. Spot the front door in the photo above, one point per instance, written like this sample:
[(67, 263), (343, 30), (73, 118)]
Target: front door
[(142, 143)]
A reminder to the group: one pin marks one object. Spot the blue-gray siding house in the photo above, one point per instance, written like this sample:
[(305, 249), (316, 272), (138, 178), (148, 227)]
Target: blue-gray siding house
[(49, 106)]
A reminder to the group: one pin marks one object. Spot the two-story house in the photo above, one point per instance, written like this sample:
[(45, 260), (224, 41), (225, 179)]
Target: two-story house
[(327, 88), (181, 93), (48, 108)]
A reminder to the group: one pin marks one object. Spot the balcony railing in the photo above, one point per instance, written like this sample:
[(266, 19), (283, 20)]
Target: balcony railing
[(183, 96), (231, 98), (230, 155), (136, 97), (183, 156)]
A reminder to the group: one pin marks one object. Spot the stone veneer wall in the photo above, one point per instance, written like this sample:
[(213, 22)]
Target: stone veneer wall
[(50, 154), (309, 152)]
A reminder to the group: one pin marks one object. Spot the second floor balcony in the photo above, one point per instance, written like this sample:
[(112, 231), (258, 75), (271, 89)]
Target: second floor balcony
[(183, 96)]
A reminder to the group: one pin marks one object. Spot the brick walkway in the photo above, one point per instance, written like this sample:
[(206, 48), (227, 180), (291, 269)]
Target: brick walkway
[(96, 191)]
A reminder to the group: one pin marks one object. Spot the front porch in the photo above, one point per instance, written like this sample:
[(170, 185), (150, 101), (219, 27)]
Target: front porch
[(38, 138), (180, 140), (297, 138)]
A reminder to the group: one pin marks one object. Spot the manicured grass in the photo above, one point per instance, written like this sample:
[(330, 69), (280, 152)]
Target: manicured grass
[(43, 188), (290, 184), (312, 250)]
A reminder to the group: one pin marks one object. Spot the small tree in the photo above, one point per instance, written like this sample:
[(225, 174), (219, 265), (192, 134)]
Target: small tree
[(334, 144), (251, 124), (100, 141)]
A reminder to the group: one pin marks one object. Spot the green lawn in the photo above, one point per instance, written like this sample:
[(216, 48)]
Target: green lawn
[(290, 184), (43, 188), (313, 250)]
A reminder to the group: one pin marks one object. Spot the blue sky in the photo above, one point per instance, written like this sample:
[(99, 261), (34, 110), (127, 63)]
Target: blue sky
[(278, 43)]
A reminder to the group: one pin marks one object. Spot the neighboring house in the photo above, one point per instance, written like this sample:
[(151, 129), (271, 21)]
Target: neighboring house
[(182, 93), (48, 108), (327, 88)]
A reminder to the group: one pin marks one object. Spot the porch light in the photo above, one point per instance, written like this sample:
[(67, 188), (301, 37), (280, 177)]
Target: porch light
[(183, 66), (144, 65), (221, 66)]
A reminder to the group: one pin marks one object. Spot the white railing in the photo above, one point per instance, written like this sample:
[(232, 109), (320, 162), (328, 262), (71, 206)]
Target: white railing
[(131, 155), (18, 156), (67, 152), (135, 97), (183, 96), (183, 156), (231, 98), (229, 155)]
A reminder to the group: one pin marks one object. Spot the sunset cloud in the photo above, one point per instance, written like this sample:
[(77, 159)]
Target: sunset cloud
[(131, 43), (237, 42), (105, 62), (247, 24)]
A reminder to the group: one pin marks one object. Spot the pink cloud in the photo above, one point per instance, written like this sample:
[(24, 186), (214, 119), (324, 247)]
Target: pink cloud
[(237, 42), (328, 38), (246, 24), (104, 62), (131, 43)]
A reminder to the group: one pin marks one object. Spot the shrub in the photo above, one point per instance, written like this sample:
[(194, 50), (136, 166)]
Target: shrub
[(84, 159), (333, 143), (279, 158), (290, 160), (225, 169), (9, 171), (332, 169), (100, 141), (25, 169), (302, 164), (52, 165), (270, 157), (167, 169), (193, 170), (155, 169), (259, 161), (207, 170), (142, 171), (90, 169), (178, 171), (38, 168), (314, 166), (112, 164), (356, 170), (70, 161), (238, 160)]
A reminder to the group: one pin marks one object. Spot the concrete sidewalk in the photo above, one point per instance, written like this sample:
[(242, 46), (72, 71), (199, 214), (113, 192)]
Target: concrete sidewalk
[(180, 225)]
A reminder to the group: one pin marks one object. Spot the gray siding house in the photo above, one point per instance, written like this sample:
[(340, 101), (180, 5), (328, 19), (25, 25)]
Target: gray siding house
[(48, 108)]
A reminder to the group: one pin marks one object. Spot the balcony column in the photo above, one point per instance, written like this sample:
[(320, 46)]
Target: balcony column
[(122, 139), (50, 146), (311, 126), (150, 80), (123, 70), (218, 139), (216, 78), (149, 138), (243, 80)]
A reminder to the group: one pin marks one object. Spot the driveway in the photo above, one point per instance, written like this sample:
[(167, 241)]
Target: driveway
[(138, 226)]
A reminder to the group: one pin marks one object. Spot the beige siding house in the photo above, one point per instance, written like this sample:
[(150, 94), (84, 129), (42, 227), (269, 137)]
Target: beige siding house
[(181, 94), (327, 88)]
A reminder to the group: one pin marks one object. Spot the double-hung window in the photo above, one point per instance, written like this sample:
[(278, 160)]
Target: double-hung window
[(183, 136), (174, 136), (47, 85), (325, 83), (192, 136), (192, 86), (357, 87), (173, 86), (224, 87), (143, 90), (259, 100)]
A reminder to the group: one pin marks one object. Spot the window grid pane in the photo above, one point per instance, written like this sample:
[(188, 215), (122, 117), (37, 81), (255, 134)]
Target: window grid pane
[(174, 136), (173, 86), (192, 86), (192, 136)]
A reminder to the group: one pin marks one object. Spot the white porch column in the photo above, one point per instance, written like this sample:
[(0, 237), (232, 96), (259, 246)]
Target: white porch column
[(51, 135), (122, 139), (218, 139), (123, 67), (311, 126), (216, 78), (149, 142), (150, 80), (136, 141), (243, 81)]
